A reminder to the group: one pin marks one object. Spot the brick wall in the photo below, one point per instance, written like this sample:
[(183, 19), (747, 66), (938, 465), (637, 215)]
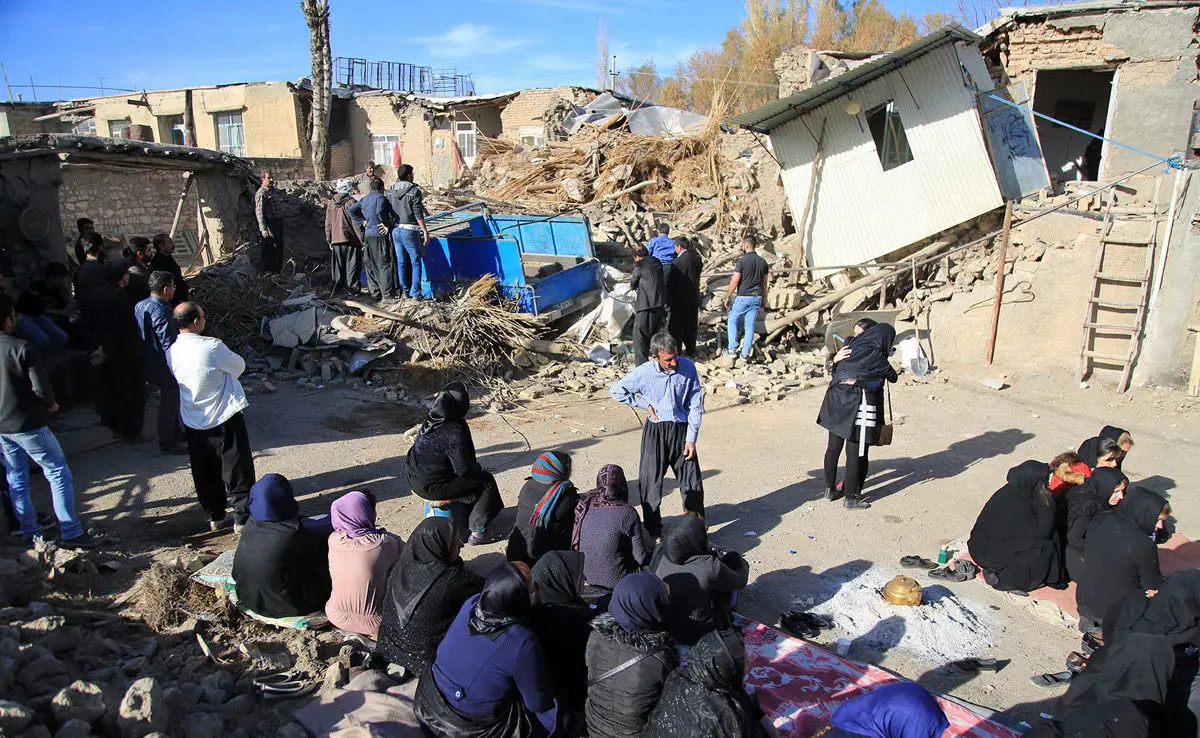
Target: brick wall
[(283, 169), (125, 202), (378, 114), (530, 107), (1033, 46)]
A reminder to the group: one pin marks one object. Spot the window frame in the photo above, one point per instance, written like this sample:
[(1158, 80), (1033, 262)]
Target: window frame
[(168, 125), (114, 125), (893, 124), (536, 133), (378, 155), (468, 129), (233, 149)]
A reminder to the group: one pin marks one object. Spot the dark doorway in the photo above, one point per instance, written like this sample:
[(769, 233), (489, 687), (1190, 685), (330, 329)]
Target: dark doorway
[(1079, 97)]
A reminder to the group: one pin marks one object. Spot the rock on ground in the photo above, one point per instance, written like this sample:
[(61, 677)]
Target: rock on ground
[(14, 717), (203, 725), (143, 710), (74, 728), (79, 701)]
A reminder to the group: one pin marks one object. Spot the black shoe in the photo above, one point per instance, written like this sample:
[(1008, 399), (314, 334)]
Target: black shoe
[(85, 541), (836, 492), (856, 503)]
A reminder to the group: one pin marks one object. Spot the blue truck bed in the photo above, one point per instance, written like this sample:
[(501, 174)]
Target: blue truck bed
[(546, 264)]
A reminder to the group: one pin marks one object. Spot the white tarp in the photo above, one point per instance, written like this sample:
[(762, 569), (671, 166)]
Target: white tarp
[(643, 120)]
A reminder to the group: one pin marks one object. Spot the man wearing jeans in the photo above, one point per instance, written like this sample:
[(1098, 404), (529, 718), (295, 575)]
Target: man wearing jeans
[(410, 234), (26, 398), (746, 292), (211, 401)]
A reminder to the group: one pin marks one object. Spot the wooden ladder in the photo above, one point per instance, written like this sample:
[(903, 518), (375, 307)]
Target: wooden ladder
[(1097, 302)]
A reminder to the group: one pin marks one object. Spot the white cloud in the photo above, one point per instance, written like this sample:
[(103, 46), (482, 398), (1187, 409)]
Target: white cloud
[(469, 40)]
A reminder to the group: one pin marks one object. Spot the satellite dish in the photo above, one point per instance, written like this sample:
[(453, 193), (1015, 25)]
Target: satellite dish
[(34, 224), (853, 108)]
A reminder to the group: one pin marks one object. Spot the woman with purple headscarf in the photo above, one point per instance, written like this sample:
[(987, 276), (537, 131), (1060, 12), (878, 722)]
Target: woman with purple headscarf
[(608, 531), (360, 556)]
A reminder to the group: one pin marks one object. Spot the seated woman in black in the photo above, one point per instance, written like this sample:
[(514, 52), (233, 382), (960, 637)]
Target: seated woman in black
[(563, 623), (442, 464), (860, 369), (702, 579), (1016, 539), (706, 698), (1104, 489), (545, 510), (1092, 453), (1120, 555), (425, 590), (281, 567)]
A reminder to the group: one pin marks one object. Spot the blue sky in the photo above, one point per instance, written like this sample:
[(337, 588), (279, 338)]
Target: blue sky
[(503, 44)]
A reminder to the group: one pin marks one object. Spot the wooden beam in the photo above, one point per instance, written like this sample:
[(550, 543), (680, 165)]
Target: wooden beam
[(187, 185), (991, 346)]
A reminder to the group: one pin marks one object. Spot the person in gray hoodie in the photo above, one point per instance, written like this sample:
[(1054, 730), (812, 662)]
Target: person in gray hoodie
[(410, 234), (345, 240)]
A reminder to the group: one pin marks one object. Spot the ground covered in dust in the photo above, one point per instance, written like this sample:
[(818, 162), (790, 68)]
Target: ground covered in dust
[(763, 494)]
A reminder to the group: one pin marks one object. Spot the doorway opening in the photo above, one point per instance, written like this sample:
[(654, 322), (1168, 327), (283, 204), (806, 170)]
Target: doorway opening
[(1082, 98)]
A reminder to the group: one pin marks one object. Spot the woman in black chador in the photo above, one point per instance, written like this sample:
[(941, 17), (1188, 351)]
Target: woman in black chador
[(852, 411)]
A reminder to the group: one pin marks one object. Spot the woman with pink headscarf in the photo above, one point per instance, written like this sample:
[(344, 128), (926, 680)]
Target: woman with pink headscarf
[(360, 556)]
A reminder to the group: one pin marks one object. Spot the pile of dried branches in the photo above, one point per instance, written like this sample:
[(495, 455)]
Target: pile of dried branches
[(164, 596), (235, 299), (484, 331)]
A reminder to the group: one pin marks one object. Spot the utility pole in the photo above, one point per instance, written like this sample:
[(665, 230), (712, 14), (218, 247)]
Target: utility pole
[(613, 74), (6, 84)]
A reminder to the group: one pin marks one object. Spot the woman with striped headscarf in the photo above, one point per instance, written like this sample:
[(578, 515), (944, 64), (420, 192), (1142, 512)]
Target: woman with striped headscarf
[(545, 510)]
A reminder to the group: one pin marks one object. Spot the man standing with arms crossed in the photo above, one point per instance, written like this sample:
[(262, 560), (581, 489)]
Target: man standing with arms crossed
[(211, 401), (26, 398), (669, 390)]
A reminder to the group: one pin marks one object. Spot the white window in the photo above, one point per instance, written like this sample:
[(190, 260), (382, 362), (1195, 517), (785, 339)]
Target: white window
[(891, 143), (85, 127), (230, 136), (533, 136), (464, 134), (171, 129), (119, 128), (383, 145)]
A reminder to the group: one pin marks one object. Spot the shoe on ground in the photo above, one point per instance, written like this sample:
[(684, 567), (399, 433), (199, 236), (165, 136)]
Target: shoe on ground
[(836, 492), (856, 503), (478, 538), (237, 528), (222, 524), (85, 541)]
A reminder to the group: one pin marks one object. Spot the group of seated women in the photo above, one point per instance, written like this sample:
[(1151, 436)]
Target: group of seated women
[(1074, 519)]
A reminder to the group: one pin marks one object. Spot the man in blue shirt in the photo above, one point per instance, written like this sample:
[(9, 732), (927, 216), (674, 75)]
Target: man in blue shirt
[(662, 246), (375, 216), (669, 390), (156, 333)]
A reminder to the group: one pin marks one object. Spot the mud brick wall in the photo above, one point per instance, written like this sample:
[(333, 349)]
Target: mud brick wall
[(125, 202)]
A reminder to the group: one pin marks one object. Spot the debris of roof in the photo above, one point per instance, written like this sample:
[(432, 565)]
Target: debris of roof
[(112, 150)]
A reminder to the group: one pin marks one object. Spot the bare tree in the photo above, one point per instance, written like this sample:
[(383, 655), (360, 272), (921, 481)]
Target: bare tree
[(642, 82), (602, 78), (316, 14)]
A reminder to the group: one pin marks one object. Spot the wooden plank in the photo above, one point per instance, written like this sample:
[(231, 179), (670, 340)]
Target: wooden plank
[(991, 346), (187, 185)]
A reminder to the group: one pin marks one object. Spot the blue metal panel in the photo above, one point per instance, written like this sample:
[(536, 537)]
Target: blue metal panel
[(560, 236), (551, 292)]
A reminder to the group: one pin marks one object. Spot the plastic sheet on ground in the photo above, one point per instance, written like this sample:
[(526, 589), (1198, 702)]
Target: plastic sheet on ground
[(613, 312), (642, 120)]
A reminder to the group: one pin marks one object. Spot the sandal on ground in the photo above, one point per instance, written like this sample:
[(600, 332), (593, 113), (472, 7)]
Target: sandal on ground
[(1051, 680), (1092, 641), (1076, 662), (977, 665), (917, 562), (949, 574)]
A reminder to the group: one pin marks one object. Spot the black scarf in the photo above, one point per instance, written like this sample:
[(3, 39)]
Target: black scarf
[(869, 352), (685, 539), (423, 559), (1142, 508), (450, 406), (557, 576), (503, 603)]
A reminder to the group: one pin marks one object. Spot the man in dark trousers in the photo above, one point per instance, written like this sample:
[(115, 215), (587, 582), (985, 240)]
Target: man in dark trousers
[(375, 216), (163, 261), (108, 311), (268, 211), (345, 241), (669, 390), (683, 291), (91, 273), (26, 401), (211, 401), (156, 333), (650, 306)]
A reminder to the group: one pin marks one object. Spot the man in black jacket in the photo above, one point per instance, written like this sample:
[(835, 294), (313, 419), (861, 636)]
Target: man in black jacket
[(26, 399), (650, 305), (108, 311), (163, 261), (683, 290)]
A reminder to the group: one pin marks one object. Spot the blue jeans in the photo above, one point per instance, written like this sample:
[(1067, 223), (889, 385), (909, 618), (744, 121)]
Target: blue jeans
[(744, 313), (408, 259), (42, 332), (42, 447)]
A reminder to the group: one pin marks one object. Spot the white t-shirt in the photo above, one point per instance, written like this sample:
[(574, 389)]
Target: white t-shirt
[(207, 372)]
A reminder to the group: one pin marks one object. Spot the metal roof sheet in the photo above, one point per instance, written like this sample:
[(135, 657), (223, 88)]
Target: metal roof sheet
[(778, 112)]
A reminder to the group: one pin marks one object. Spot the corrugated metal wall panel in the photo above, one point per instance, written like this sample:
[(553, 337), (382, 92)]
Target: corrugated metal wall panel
[(861, 212)]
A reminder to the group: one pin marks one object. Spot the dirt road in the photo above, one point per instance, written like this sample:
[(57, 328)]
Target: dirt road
[(763, 493)]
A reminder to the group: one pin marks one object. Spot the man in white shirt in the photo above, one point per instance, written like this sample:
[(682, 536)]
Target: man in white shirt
[(211, 401)]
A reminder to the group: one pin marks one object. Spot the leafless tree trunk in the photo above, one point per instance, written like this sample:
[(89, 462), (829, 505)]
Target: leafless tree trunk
[(316, 14), (603, 80)]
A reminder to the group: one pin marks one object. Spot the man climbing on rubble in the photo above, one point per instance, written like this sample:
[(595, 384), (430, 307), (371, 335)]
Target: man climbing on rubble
[(163, 261), (747, 291), (211, 401), (26, 400), (345, 240), (668, 389), (650, 306), (662, 246), (683, 293), (374, 215), (267, 210), (410, 234)]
